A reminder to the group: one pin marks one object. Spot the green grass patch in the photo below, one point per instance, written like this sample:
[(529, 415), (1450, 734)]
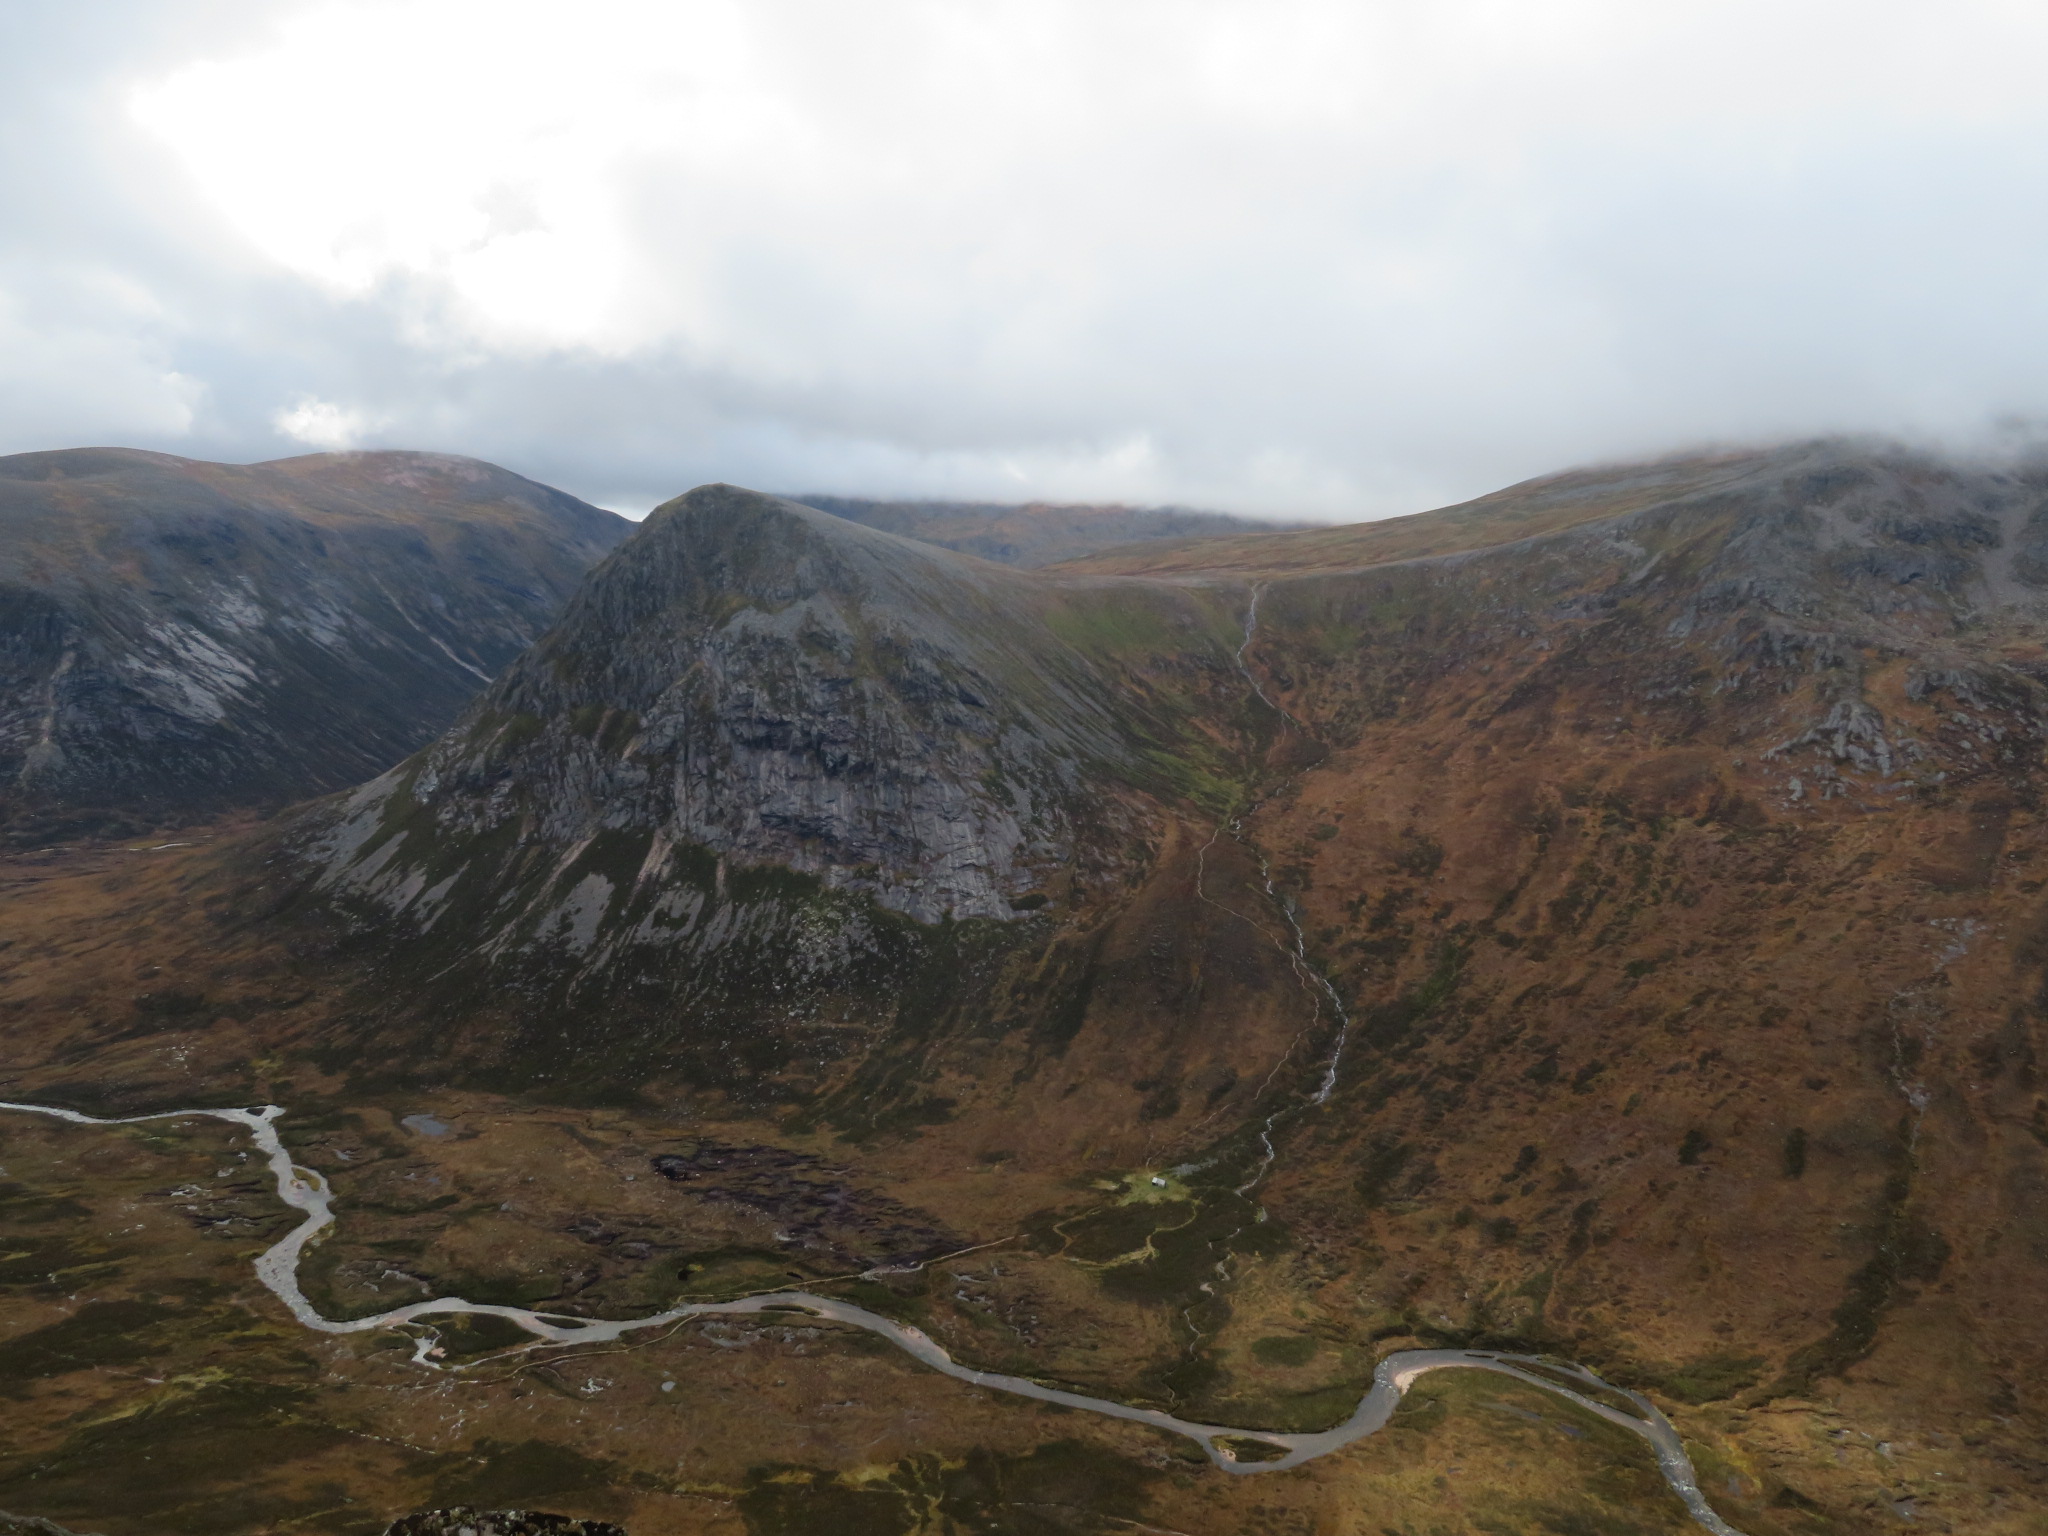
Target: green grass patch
[(1286, 1349)]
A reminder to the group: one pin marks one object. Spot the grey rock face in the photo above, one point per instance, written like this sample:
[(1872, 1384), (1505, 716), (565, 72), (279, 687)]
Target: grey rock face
[(779, 687), (1795, 577), (178, 638), (1843, 555), (1849, 536)]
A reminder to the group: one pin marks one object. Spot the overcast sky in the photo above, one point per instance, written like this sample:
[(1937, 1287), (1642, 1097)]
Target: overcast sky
[(1277, 256)]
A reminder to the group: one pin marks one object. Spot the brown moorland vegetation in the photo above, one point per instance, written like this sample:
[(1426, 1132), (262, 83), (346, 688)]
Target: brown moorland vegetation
[(1659, 844)]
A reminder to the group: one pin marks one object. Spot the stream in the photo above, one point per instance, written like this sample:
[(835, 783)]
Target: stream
[(1234, 1450)]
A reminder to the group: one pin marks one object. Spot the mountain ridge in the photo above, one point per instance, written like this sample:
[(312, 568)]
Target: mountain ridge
[(762, 731), (186, 637), (788, 584), (1037, 533)]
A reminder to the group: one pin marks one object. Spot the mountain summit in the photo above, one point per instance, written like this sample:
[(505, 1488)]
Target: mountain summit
[(776, 686), (764, 739)]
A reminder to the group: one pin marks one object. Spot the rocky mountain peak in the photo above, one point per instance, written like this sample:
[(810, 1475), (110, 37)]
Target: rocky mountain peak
[(765, 684)]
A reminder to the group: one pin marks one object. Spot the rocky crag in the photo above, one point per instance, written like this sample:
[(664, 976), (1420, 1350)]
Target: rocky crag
[(767, 754), (180, 638)]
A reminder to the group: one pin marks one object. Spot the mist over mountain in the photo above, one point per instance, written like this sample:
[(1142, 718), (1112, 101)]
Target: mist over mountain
[(179, 638)]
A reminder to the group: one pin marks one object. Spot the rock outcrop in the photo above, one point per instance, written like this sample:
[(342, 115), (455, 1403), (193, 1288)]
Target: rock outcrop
[(769, 685)]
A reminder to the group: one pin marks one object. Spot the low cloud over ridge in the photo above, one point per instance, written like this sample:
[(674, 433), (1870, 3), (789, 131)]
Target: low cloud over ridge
[(1304, 258)]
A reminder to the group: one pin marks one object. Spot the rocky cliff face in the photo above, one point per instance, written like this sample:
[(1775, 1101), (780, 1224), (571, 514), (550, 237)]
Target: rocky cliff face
[(774, 686), (766, 742), (178, 638)]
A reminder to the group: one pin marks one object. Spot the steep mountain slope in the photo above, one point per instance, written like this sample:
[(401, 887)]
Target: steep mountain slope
[(1036, 533), (1682, 867), (785, 771), (1605, 918), (177, 638), (776, 686)]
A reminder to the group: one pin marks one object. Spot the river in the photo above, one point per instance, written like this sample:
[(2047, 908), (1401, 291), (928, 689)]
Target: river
[(305, 1190)]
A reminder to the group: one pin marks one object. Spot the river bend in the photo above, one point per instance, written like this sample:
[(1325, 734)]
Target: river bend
[(305, 1190)]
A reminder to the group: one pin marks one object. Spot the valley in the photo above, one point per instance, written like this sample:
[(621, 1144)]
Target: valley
[(1231, 1448), (1596, 923)]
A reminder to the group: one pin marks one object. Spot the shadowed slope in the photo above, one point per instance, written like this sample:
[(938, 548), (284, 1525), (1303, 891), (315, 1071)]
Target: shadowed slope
[(177, 638)]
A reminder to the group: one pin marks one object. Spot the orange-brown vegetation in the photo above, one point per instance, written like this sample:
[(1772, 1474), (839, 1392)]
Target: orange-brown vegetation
[(1671, 842)]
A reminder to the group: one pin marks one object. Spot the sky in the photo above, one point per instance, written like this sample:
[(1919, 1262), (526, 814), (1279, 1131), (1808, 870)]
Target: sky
[(1289, 257)]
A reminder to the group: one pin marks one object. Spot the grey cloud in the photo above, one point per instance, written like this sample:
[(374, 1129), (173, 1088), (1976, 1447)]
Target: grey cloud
[(1339, 338)]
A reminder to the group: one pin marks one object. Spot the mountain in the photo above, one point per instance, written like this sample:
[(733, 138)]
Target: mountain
[(770, 757), (1037, 533), (1605, 918), (178, 638)]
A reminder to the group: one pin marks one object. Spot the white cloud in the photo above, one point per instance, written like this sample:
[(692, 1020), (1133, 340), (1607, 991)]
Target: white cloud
[(84, 358), (320, 423), (1309, 255)]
